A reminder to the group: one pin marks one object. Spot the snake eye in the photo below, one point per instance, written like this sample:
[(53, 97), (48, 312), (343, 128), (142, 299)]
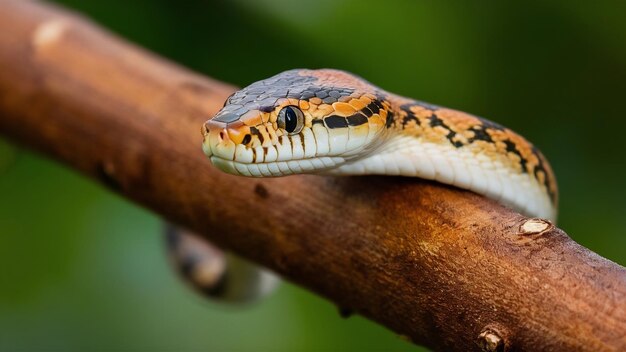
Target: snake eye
[(291, 119)]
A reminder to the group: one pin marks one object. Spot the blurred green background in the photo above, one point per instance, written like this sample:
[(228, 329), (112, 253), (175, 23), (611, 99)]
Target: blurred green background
[(83, 269)]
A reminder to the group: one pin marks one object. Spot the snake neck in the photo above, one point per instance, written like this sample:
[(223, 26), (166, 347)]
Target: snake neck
[(459, 149)]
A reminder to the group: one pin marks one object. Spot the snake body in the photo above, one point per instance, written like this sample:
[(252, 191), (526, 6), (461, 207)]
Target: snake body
[(332, 122)]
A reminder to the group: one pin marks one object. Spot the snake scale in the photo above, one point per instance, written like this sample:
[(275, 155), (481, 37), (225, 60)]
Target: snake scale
[(332, 122)]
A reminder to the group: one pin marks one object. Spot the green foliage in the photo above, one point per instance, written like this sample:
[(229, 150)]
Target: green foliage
[(84, 269), (8, 153)]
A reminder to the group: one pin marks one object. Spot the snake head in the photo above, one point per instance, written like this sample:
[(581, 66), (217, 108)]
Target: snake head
[(299, 121)]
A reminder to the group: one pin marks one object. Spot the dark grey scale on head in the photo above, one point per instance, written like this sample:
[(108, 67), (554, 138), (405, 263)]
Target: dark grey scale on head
[(344, 92), (227, 116), (322, 94), (436, 121), (256, 90), (228, 99), (242, 110), (512, 148), (329, 100), (307, 94), (268, 101), (264, 94), (266, 108), (248, 99)]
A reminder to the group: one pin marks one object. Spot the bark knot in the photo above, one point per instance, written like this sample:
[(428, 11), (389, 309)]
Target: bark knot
[(490, 340), (535, 226)]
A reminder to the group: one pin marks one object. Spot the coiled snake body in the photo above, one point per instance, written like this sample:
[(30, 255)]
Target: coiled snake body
[(331, 122)]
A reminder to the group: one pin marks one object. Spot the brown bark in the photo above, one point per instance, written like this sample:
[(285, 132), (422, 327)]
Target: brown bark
[(447, 268)]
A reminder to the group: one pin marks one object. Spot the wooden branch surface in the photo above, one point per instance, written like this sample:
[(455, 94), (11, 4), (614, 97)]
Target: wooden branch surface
[(447, 268)]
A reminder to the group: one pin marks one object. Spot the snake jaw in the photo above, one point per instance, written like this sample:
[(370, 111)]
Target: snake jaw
[(317, 165)]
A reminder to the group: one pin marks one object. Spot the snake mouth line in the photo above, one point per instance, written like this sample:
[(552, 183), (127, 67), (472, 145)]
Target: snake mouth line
[(276, 168)]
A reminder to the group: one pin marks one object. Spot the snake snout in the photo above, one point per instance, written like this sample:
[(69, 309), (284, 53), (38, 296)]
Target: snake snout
[(221, 139), (215, 135)]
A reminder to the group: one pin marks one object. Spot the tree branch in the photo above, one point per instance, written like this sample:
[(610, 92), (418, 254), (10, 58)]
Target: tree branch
[(447, 268)]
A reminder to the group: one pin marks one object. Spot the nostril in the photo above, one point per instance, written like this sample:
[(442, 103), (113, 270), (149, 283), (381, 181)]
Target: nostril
[(212, 127), (222, 135)]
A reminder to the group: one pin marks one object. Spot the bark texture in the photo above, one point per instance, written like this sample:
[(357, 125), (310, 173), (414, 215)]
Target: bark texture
[(447, 268)]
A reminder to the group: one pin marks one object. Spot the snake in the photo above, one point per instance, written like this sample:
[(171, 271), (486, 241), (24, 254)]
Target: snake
[(332, 122)]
